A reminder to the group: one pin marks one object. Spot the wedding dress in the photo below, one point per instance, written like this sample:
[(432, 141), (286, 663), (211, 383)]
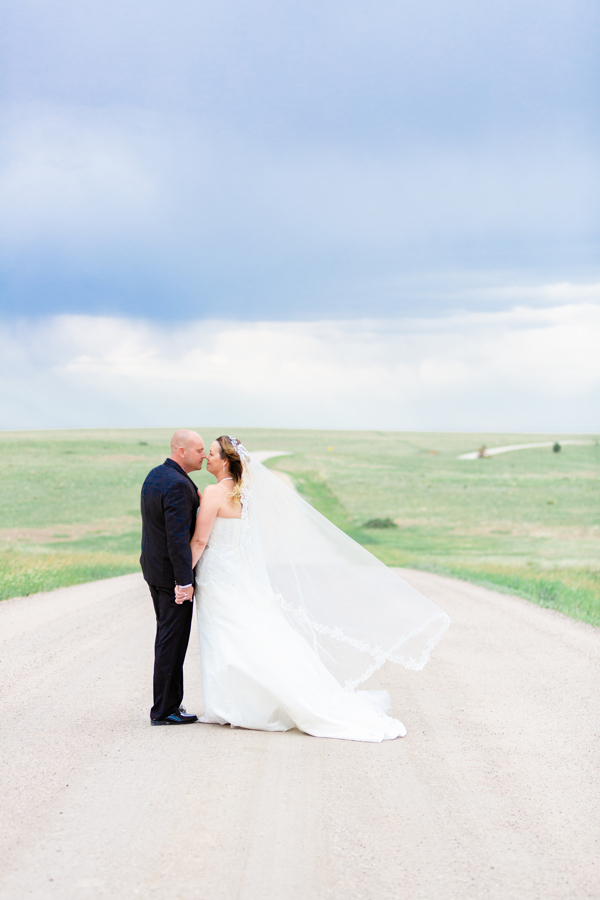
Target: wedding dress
[(293, 615)]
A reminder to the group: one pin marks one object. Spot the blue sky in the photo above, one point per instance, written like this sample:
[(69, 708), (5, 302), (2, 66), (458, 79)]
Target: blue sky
[(350, 171), (283, 160)]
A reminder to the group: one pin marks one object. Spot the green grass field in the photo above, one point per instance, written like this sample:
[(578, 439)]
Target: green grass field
[(527, 522)]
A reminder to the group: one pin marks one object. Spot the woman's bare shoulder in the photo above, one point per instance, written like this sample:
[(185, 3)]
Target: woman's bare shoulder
[(217, 490), (212, 490)]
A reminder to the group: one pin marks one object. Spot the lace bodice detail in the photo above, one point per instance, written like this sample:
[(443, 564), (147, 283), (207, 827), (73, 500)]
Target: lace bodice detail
[(225, 536), (222, 557)]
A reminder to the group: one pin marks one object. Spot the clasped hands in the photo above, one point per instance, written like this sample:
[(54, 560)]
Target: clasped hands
[(184, 593)]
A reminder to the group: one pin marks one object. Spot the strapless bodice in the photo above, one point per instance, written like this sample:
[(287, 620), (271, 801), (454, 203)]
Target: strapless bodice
[(225, 535)]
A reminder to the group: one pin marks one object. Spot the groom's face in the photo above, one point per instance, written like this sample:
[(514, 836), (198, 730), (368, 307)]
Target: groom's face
[(195, 455)]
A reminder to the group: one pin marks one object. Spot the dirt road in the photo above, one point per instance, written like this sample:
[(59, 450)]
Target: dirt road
[(493, 793)]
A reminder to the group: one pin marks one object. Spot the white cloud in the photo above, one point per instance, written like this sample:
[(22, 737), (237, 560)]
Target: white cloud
[(561, 292), (523, 369)]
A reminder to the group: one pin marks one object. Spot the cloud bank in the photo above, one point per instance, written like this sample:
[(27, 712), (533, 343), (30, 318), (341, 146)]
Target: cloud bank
[(523, 369)]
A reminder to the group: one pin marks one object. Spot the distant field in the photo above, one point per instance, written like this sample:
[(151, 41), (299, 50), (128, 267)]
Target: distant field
[(527, 522)]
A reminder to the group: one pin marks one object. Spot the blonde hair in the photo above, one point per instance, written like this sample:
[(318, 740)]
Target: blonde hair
[(236, 469)]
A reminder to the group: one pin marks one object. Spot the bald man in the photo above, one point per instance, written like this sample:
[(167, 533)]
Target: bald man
[(170, 503)]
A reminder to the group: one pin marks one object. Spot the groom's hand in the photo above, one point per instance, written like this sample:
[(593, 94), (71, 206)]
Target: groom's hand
[(184, 593)]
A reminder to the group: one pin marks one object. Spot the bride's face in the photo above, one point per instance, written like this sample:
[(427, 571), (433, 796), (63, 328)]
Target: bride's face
[(214, 463)]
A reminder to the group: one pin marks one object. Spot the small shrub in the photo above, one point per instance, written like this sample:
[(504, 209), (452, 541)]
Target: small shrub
[(556, 448), (380, 523)]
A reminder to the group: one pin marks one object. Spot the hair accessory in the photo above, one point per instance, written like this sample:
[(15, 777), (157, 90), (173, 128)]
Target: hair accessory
[(241, 450)]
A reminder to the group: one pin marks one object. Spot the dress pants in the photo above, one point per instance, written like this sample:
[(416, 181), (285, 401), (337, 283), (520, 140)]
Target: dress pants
[(173, 623)]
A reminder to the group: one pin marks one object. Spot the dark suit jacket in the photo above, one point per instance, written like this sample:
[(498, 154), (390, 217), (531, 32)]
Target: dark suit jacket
[(169, 506)]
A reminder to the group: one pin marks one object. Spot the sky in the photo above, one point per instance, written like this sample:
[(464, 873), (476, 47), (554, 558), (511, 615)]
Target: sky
[(322, 214)]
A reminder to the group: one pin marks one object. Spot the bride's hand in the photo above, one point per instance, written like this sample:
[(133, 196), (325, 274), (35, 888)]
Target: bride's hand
[(183, 594)]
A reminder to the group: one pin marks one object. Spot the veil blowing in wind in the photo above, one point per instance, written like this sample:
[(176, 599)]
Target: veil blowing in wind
[(353, 610)]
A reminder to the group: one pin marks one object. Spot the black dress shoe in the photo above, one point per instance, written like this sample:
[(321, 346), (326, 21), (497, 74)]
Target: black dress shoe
[(176, 718)]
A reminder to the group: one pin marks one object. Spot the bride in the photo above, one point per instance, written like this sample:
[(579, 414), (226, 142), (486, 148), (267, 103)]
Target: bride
[(293, 615)]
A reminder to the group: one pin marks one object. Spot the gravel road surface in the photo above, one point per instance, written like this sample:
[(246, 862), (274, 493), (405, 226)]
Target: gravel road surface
[(493, 793)]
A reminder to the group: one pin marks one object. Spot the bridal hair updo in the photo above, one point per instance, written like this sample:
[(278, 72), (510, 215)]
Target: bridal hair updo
[(236, 469)]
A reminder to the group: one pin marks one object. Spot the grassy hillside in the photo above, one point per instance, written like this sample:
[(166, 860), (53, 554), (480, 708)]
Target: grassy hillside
[(527, 522)]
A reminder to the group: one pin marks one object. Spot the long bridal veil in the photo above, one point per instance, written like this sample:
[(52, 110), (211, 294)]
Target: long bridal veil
[(354, 611)]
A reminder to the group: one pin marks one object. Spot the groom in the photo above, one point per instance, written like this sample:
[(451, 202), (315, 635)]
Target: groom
[(170, 503)]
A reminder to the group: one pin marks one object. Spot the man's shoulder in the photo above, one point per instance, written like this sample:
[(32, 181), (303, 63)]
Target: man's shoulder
[(165, 476), (158, 472), (169, 479)]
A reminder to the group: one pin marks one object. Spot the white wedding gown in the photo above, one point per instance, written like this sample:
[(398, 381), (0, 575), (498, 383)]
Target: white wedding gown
[(257, 671)]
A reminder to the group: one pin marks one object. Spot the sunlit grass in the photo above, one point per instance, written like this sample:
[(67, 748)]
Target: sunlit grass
[(23, 572), (574, 592)]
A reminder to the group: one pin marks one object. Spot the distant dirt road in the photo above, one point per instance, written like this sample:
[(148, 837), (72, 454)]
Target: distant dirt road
[(494, 451), (493, 794)]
